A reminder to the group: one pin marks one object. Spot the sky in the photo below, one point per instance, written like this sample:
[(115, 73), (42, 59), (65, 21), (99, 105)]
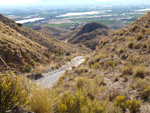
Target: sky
[(18, 2)]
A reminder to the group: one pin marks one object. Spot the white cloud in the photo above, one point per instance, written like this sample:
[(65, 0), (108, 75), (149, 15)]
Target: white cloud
[(15, 2)]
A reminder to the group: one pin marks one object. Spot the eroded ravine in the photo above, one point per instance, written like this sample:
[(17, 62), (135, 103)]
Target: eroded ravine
[(51, 77)]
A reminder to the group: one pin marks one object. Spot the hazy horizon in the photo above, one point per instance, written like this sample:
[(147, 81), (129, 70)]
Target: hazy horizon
[(69, 2)]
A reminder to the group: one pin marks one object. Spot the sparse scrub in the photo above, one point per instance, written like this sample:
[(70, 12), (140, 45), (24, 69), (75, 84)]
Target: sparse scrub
[(116, 79), (126, 78), (81, 70), (113, 94), (120, 50), (110, 63), (130, 45), (132, 86), (141, 83), (96, 65), (27, 68), (68, 54), (138, 45), (145, 94), (139, 37), (56, 66), (60, 59), (140, 71), (81, 82), (99, 80), (127, 70)]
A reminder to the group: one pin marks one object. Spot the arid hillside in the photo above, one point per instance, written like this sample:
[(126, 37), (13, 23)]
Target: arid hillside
[(47, 41), (89, 35), (16, 50), (51, 31), (23, 48), (117, 74)]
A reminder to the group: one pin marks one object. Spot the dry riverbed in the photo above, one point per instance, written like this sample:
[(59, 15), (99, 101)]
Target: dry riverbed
[(52, 76)]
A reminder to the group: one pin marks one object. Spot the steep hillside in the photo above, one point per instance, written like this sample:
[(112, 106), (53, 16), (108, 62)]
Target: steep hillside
[(22, 48), (89, 35), (52, 31), (16, 50), (117, 74), (52, 44)]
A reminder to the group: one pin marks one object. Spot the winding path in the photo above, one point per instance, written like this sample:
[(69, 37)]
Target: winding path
[(52, 76)]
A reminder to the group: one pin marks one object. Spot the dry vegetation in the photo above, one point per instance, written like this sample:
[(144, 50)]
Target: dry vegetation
[(115, 79)]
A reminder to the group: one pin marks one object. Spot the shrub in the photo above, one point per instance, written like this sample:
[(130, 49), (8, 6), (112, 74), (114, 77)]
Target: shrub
[(127, 70), (110, 63), (79, 103), (68, 54), (133, 105), (132, 86), (99, 80), (145, 94), (42, 100), (139, 37), (120, 50), (141, 83), (130, 45), (56, 66), (81, 82), (27, 68), (140, 71), (113, 93), (125, 78), (138, 45), (81, 70), (96, 65), (68, 59), (120, 101), (60, 59), (12, 92), (116, 79)]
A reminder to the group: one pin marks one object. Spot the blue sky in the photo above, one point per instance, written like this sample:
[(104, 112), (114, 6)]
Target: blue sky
[(17, 2)]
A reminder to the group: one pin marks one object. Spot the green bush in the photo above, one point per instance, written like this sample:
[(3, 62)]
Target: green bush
[(27, 68), (60, 59), (68, 54), (12, 92)]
